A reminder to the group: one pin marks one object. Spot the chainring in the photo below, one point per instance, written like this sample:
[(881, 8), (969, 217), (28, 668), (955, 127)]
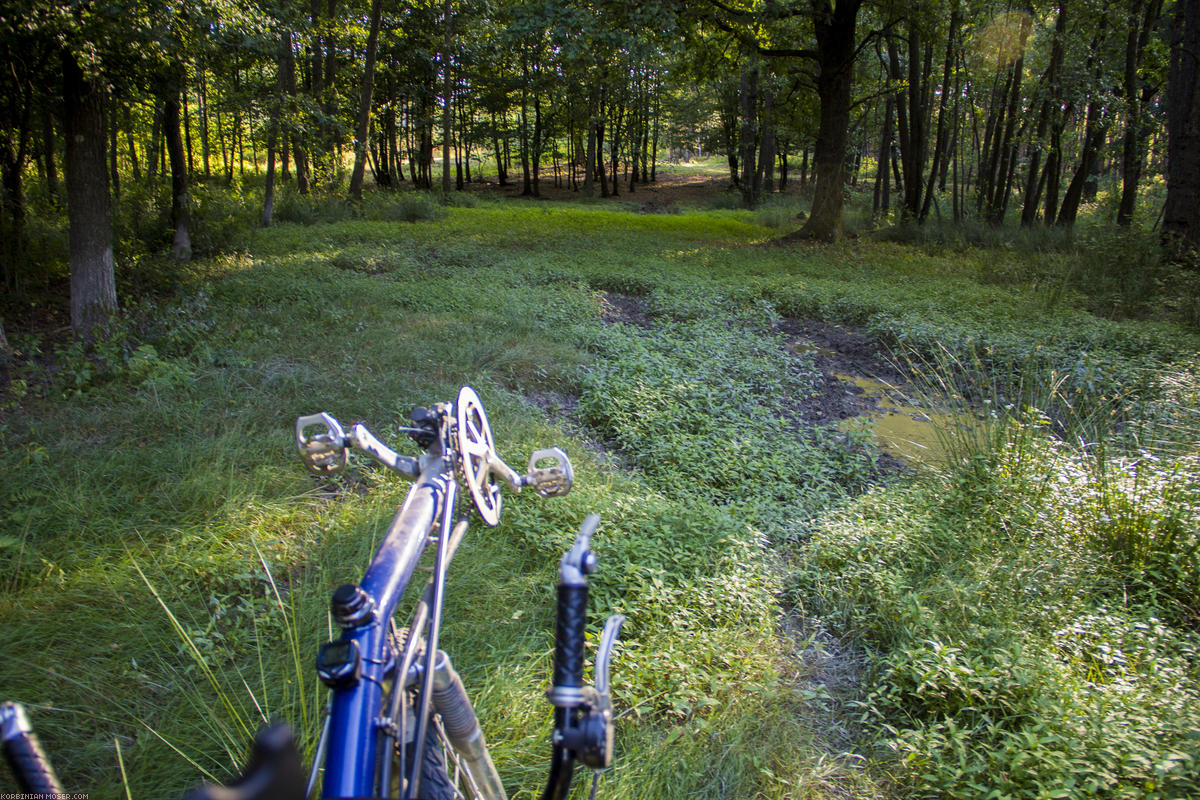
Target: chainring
[(473, 436)]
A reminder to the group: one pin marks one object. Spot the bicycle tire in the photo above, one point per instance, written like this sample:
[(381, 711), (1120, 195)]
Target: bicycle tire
[(435, 780)]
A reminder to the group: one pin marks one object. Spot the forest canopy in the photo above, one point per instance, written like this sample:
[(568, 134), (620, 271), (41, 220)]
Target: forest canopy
[(118, 117)]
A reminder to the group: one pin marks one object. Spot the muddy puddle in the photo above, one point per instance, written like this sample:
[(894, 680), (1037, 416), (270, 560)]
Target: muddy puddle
[(862, 387), (908, 432)]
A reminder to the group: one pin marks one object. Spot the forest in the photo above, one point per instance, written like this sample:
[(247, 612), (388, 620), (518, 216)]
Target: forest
[(871, 329), (988, 111)]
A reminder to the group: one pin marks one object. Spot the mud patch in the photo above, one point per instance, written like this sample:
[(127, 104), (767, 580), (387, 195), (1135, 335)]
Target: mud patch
[(627, 308), (838, 353), (858, 381)]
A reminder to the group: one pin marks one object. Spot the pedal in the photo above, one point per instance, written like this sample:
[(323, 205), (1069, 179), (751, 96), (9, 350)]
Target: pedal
[(550, 479), (324, 451)]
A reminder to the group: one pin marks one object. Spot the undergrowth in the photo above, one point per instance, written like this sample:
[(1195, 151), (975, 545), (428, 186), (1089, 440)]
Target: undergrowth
[(1023, 614)]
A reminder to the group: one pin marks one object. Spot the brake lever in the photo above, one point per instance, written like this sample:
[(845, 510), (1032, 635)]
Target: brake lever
[(584, 725)]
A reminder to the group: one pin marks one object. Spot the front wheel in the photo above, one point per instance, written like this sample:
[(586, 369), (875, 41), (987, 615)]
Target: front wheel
[(435, 782)]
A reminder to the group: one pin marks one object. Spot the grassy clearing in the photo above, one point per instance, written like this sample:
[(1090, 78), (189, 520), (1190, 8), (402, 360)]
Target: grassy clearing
[(991, 602)]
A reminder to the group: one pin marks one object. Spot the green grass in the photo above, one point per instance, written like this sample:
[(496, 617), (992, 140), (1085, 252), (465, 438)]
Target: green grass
[(168, 562)]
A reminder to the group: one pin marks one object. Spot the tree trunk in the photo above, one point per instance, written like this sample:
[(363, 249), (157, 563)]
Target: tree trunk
[(447, 98), (181, 215), (364, 104), (273, 130), (1137, 94), (13, 156), (89, 209), (1006, 149), (48, 144), (939, 146), (501, 175), (766, 156), (881, 200), (748, 134), (1050, 108), (1181, 215), (114, 179), (589, 157), (526, 178), (203, 98), (289, 79), (835, 33), (601, 169), (1094, 132), (614, 145), (536, 160), (912, 156)]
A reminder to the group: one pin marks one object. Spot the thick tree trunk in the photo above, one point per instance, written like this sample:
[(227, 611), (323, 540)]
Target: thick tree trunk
[(1181, 215), (364, 104), (89, 209), (766, 155), (1094, 132), (835, 33), (913, 156)]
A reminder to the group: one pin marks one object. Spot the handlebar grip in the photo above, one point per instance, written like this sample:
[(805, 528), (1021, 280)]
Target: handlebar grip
[(24, 753), (569, 636)]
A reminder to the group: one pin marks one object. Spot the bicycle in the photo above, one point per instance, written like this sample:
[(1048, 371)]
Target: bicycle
[(397, 707)]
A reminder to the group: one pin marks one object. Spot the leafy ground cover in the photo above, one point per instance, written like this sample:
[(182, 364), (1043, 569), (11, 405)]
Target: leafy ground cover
[(1019, 620)]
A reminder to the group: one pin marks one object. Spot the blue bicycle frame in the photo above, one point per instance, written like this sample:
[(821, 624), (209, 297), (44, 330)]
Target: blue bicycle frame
[(356, 718)]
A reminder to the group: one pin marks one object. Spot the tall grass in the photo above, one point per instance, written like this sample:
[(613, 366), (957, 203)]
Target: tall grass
[(1030, 609), (168, 563)]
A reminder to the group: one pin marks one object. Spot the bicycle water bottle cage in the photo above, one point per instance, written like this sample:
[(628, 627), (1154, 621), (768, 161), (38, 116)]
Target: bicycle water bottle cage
[(323, 449)]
